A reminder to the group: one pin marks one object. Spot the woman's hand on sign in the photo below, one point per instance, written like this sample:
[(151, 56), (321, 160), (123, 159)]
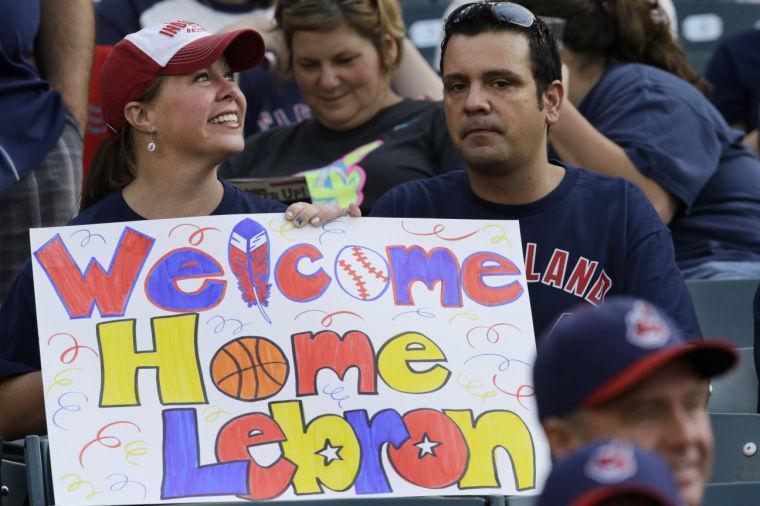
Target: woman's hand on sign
[(301, 213)]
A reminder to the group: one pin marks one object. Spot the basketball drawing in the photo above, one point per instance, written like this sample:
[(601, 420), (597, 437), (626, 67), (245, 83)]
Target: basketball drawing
[(361, 272), (249, 369)]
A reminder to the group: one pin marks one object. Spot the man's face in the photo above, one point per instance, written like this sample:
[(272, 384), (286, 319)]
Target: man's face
[(664, 414), (489, 95)]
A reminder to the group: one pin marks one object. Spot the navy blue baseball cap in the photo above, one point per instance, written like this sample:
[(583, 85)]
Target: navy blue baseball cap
[(608, 469), (599, 352)]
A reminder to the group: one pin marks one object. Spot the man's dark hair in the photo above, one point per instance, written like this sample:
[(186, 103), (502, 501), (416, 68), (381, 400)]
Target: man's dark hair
[(545, 64)]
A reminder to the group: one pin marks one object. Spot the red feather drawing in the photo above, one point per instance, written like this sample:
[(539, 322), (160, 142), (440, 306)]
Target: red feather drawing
[(249, 260)]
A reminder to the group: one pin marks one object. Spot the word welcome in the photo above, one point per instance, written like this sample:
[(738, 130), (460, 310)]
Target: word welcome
[(361, 272)]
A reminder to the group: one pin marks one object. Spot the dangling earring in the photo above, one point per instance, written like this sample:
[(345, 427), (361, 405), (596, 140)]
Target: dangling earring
[(151, 143)]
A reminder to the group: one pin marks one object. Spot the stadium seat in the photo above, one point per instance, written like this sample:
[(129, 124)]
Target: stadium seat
[(724, 308), (523, 500), (737, 437), (732, 494), (737, 391), (12, 474), (24, 471), (702, 23)]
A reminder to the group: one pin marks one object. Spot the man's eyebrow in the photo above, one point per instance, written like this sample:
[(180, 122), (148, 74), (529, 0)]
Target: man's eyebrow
[(502, 73), (454, 75), (490, 74)]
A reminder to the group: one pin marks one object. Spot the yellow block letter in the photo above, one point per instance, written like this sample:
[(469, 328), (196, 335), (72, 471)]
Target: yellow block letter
[(393, 363), (490, 430), (175, 357), (325, 450)]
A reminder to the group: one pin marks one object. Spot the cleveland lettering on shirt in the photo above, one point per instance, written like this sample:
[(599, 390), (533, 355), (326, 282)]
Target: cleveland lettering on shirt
[(586, 280)]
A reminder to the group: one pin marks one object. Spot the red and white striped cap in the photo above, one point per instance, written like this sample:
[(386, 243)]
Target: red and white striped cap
[(174, 47)]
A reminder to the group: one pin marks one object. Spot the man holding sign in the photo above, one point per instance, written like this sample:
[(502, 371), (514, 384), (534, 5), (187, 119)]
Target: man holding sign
[(585, 236)]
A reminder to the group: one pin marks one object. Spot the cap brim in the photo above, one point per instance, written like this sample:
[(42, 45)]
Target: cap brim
[(709, 358), (603, 493), (243, 49)]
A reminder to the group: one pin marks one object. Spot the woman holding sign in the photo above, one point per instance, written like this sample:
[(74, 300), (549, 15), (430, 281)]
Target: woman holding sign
[(171, 102)]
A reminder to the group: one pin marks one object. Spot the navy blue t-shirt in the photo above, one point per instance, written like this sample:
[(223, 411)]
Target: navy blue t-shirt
[(676, 137), (271, 101), (33, 115), (591, 237), (19, 344), (734, 72)]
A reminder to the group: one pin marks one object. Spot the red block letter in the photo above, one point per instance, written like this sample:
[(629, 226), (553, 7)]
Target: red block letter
[(293, 284), (111, 290), (475, 268), (435, 455), (600, 289), (255, 429), (326, 349)]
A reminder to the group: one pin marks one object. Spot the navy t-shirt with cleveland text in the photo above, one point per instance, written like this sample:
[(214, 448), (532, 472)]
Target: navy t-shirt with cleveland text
[(591, 237)]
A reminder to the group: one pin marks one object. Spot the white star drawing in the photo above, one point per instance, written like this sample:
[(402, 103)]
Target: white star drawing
[(330, 452), (426, 446)]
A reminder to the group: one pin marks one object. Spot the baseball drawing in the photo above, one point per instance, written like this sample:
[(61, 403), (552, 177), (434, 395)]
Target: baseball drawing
[(361, 272)]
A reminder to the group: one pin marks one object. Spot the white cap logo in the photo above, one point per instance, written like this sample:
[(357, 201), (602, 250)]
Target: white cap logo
[(645, 327), (612, 462), (162, 42)]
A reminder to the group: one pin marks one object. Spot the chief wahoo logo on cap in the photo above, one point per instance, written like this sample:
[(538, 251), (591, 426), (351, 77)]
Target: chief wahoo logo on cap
[(645, 328)]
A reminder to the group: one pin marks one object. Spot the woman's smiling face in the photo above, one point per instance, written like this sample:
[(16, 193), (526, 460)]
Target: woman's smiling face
[(342, 76)]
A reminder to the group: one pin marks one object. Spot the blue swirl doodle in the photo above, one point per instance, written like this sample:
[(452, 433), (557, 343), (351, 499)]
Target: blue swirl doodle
[(423, 312), (505, 361), (88, 236), (72, 408), (334, 394), (337, 231), (223, 322), (117, 486)]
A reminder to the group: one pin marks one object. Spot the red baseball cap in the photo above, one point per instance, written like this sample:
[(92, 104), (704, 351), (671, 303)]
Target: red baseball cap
[(173, 47)]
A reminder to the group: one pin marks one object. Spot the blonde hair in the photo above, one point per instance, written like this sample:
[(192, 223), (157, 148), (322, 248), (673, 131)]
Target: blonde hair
[(371, 19)]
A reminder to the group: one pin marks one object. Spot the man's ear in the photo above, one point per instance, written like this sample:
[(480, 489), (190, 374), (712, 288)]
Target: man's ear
[(552, 99), (139, 116), (390, 52), (562, 435)]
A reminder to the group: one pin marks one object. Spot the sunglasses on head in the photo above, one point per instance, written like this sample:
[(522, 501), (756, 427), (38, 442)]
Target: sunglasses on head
[(513, 14)]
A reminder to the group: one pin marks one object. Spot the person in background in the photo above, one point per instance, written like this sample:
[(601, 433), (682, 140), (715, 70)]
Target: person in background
[(625, 370), (666, 5), (610, 472), (636, 109), (175, 111), (584, 236), (734, 72), (46, 51), (363, 138), (273, 97)]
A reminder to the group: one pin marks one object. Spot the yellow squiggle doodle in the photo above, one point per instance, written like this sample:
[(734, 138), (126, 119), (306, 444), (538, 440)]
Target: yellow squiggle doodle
[(215, 413), (501, 237), (132, 449), (286, 227), (78, 482), (473, 384), (467, 314), (61, 382)]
